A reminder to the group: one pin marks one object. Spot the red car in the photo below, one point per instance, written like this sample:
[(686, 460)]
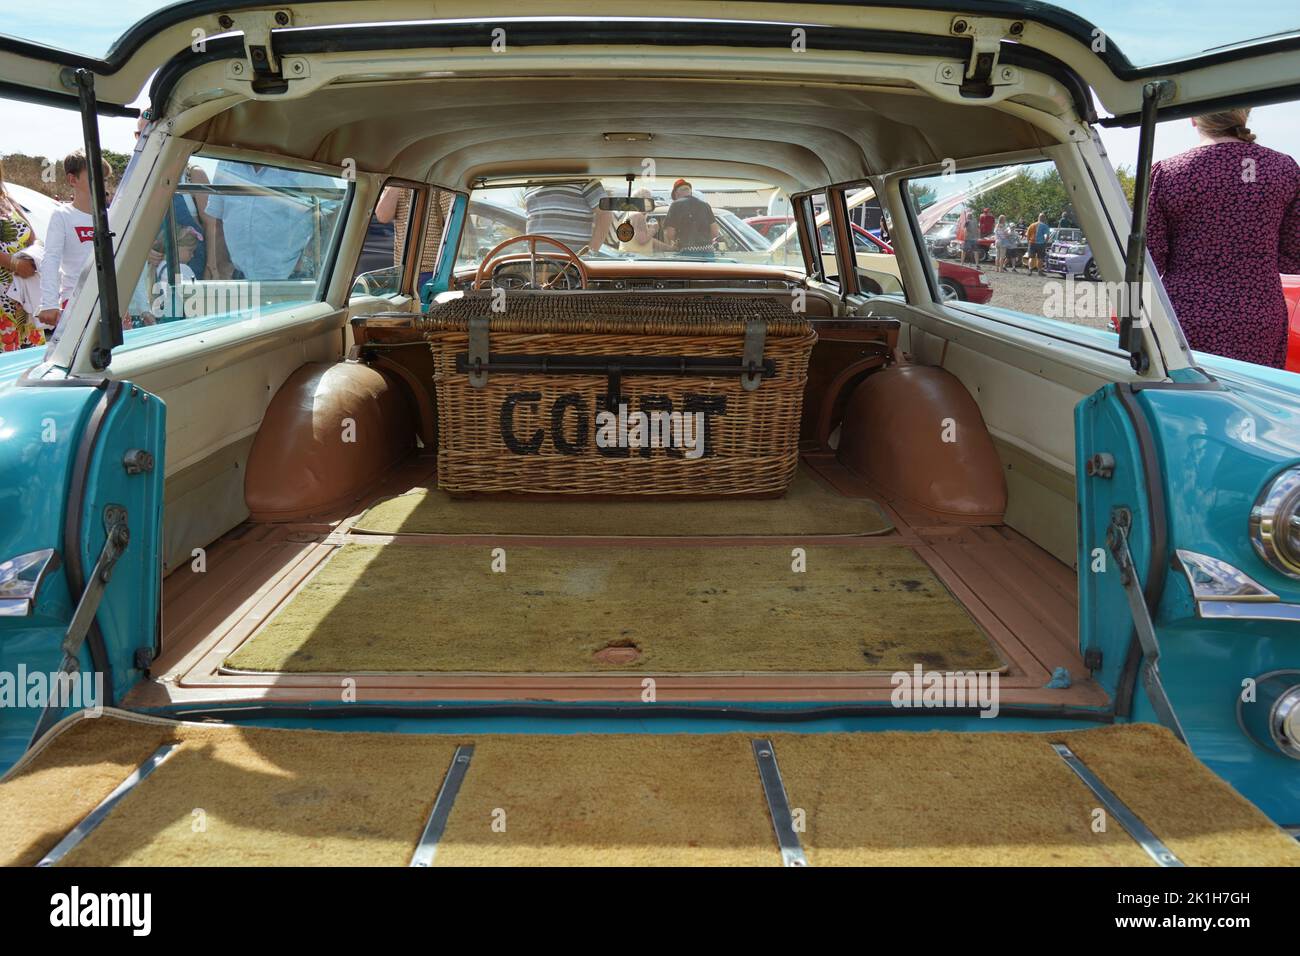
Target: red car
[(1291, 289), (955, 281)]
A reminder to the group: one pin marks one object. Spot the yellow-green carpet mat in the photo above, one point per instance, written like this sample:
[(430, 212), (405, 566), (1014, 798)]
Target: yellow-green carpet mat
[(809, 507), (397, 607), (260, 796)]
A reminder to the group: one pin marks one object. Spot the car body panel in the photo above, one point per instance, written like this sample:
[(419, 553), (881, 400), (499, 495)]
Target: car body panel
[(1217, 444), (1291, 290), (46, 451)]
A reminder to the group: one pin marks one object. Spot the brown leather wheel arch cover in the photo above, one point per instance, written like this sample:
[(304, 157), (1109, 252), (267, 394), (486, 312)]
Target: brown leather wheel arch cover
[(893, 436), (302, 464)]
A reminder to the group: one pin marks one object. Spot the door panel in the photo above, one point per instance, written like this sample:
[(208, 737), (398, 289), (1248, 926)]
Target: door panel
[(1104, 426), (63, 461)]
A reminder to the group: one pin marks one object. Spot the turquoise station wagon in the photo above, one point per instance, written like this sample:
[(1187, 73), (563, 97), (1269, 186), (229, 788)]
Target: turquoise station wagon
[(587, 509)]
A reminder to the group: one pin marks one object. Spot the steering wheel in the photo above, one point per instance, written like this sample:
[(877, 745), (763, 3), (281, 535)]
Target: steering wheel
[(484, 276)]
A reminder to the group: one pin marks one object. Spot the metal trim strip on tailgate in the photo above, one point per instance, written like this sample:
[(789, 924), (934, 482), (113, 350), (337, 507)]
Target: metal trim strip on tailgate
[(101, 812), (1116, 807), (778, 804), (437, 823)]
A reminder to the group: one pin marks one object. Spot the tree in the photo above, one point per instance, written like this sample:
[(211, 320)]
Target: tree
[(46, 176), (922, 195), (1126, 182), (117, 161), (1031, 192)]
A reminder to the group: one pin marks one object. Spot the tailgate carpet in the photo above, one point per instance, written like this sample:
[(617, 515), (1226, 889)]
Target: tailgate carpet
[(238, 796), (809, 507), (408, 607)]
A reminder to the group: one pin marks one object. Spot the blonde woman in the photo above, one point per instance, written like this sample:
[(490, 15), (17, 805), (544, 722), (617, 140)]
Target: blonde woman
[(17, 328), (1002, 237), (1223, 221)]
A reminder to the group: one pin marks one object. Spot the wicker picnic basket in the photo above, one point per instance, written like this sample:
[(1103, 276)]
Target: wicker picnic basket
[(521, 392)]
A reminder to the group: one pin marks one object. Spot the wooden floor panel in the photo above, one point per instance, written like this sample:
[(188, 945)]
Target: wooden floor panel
[(1020, 595)]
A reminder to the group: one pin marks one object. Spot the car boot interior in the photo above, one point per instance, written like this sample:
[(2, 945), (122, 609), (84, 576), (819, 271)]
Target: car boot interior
[(357, 560)]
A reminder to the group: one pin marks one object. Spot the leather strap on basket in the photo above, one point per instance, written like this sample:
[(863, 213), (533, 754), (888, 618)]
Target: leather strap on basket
[(751, 359), (478, 350)]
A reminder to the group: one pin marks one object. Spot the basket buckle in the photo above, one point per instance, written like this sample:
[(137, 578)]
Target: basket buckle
[(477, 356), (751, 360)]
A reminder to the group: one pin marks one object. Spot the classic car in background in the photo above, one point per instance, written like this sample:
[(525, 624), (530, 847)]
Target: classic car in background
[(1069, 254), (956, 282)]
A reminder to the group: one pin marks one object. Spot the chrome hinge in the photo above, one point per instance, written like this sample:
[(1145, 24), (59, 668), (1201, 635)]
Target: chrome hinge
[(1100, 465), (262, 67), (981, 72), (137, 461), (116, 538), (1121, 523)]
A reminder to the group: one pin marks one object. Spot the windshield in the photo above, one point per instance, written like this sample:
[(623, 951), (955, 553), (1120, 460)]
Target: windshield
[(699, 219), (1153, 32)]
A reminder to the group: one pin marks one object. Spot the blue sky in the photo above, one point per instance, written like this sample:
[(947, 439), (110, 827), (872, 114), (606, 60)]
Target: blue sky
[(1147, 30)]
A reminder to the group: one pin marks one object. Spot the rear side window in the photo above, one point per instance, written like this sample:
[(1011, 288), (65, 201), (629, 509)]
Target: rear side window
[(240, 240), (816, 215), (1008, 237)]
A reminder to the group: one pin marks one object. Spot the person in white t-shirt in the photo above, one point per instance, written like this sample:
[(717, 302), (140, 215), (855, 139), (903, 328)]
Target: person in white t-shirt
[(69, 240)]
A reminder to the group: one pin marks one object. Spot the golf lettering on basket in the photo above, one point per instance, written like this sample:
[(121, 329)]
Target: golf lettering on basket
[(682, 434)]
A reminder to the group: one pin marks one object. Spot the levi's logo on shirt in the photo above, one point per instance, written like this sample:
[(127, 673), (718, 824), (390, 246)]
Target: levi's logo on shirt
[(85, 233)]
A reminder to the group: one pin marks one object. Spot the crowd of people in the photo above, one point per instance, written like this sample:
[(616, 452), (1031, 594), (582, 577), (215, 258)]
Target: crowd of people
[(1219, 238), (1014, 243), (571, 213), (39, 273), (245, 234)]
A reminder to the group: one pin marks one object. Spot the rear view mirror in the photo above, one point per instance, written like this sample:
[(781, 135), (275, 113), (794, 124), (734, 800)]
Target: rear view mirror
[(626, 204)]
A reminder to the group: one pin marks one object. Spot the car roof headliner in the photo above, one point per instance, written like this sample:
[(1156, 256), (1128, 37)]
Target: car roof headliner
[(451, 131)]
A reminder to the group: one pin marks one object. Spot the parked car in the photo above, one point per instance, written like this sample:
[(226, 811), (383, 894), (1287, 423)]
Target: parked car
[(37, 207), (652, 555), (943, 244), (1070, 255), (956, 282), (1291, 289)]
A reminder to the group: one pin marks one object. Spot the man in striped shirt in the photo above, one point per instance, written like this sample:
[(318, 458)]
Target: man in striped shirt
[(570, 213)]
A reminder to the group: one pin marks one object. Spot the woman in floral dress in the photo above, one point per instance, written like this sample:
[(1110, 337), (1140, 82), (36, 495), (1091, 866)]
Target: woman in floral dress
[(1224, 221), (17, 330)]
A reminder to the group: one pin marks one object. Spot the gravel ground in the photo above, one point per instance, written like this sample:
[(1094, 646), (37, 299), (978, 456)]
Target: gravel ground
[(1035, 294)]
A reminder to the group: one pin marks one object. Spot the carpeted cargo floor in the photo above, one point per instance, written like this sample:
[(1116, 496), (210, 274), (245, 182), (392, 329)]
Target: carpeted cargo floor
[(808, 508), (399, 607), (250, 796)]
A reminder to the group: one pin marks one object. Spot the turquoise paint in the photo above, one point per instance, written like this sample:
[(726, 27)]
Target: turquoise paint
[(129, 613), (1101, 425), (440, 281), (1217, 448), (40, 433), (641, 719), (34, 478), (13, 365)]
